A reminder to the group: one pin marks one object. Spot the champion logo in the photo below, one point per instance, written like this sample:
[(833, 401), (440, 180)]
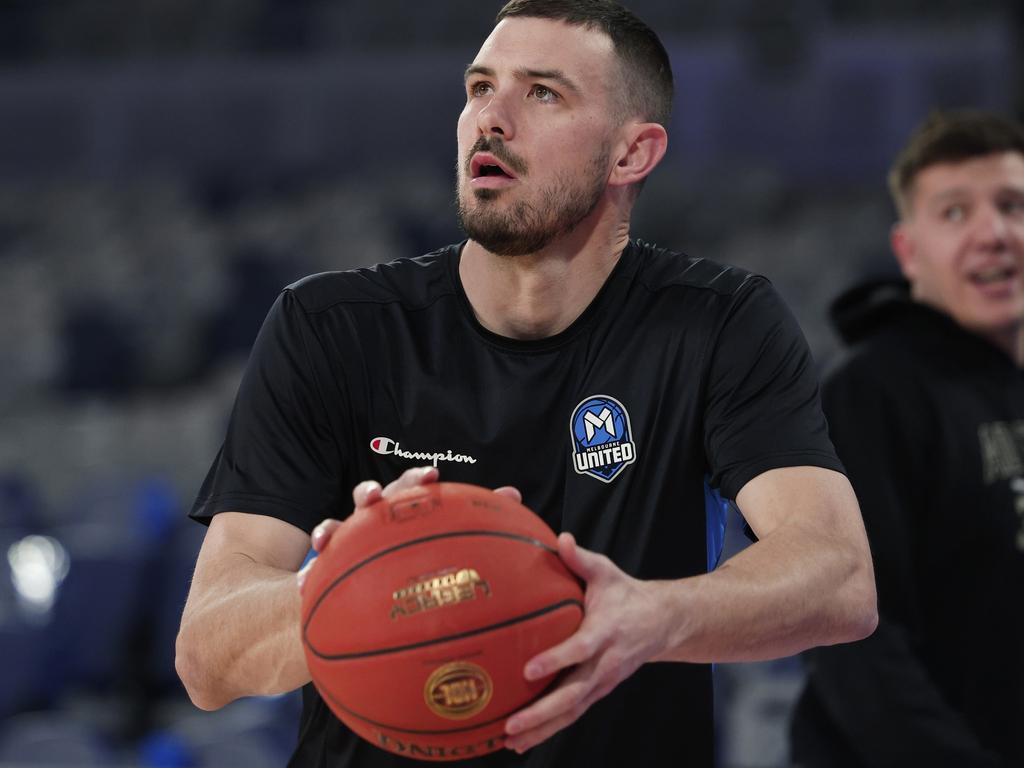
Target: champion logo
[(602, 440), (388, 447)]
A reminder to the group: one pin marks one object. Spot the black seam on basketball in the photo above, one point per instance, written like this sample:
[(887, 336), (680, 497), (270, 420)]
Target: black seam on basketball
[(447, 638), (463, 729), (411, 542)]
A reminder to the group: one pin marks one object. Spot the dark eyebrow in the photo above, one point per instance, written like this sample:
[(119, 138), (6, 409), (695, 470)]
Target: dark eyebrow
[(476, 69), (950, 194), (548, 74), (556, 75)]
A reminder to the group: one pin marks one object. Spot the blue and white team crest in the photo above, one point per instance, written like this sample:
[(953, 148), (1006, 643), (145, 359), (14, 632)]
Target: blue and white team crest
[(602, 441)]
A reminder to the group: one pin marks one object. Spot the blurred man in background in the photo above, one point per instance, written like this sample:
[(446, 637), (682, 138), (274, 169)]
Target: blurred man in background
[(927, 414)]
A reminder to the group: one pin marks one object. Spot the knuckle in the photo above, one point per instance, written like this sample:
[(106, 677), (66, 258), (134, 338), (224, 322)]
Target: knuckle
[(578, 699), (577, 712), (588, 645), (614, 661)]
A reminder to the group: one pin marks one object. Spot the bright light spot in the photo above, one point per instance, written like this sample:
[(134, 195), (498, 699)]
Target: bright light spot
[(38, 566)]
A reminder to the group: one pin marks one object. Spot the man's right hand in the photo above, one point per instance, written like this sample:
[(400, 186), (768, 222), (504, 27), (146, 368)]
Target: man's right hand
[(369, 492)]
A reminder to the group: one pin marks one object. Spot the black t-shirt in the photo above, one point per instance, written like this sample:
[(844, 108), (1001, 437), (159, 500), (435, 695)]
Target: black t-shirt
[(681, 375)]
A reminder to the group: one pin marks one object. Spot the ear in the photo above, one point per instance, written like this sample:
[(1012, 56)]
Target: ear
[(902, 243), (645, 145)]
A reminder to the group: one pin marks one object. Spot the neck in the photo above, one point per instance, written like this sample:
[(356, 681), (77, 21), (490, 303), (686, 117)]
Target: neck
[(1009, 339), (538, 295)]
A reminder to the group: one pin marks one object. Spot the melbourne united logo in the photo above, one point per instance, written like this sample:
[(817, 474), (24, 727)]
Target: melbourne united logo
[(602, 441)]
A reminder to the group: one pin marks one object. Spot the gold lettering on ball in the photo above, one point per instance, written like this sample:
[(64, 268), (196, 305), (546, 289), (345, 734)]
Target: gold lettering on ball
[(458, 690), (438, 591)]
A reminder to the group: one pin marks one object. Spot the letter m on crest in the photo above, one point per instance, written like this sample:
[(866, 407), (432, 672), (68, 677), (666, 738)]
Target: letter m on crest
[(593, 423)]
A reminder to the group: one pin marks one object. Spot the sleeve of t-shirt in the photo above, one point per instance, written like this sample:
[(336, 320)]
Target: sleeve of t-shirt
[(762, 403), (280, 456)]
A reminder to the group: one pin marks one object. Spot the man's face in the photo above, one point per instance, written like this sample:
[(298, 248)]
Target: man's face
[(962, 243), (535, 135)]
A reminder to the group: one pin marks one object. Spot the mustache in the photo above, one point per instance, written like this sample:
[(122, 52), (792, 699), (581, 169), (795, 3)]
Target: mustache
[(496, 146)]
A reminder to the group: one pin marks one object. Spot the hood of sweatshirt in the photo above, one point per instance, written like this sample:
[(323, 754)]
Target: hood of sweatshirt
[(885, 307)]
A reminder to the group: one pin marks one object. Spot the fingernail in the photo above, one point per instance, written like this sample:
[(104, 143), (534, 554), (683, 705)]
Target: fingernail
[(512, 726), (534, 671)]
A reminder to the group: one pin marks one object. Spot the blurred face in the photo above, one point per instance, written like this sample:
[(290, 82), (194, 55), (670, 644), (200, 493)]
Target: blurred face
[(535, 135), (961, 245)]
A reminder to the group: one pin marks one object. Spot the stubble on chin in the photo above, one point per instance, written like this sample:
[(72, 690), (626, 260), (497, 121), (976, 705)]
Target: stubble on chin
[(524, 227), (486, 195), (513, 231)]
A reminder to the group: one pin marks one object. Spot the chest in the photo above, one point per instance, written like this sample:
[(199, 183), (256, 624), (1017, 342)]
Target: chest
[(602, 435), (976, 485)]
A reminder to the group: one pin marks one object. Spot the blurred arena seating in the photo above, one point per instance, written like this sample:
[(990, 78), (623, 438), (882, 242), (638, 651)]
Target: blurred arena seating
[(167, 166)]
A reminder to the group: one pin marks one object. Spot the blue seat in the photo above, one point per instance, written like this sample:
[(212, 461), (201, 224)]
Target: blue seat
[(22, 667), (246, 732), (50, 739), (90, 633), (172, 571)]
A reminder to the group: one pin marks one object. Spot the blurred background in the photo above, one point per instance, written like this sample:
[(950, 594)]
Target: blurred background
[(167, 166)]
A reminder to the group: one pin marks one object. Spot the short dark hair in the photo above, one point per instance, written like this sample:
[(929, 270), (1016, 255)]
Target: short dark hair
[(950, 137), (646, 72)]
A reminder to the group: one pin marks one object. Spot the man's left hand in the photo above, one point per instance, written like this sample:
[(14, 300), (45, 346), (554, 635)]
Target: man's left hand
[(623, 627)]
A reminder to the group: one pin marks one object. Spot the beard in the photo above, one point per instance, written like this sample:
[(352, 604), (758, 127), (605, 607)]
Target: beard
[(527, 226)]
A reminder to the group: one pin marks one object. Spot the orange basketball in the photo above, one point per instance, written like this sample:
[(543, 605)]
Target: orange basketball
[(417, 619)]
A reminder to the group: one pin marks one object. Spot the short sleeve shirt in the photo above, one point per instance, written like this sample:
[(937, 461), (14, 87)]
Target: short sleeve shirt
[(680, 376)]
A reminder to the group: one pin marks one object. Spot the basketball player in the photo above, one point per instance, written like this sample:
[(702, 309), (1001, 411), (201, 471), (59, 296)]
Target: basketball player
[(616, 385), (927, 411)]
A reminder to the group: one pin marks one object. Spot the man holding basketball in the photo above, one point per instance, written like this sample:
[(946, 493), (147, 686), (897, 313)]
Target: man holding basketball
[(620, 388)]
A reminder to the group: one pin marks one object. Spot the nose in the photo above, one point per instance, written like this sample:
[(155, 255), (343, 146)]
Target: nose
[(495, 118), (992, 228)]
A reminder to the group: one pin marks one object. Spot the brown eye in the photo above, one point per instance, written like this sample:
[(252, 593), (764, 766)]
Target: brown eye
[(1013, 206), (954, 213), (480, 88), (543, 93)]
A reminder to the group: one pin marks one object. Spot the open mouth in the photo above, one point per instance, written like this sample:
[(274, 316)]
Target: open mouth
[(485, 164), (992, 275)]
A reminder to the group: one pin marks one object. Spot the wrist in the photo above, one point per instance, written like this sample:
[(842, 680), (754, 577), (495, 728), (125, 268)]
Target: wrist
[(673, 622)]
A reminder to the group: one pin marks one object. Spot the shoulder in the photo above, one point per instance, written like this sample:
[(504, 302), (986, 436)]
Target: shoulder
[(662, 269), (877, 370), (881, 359), (412, 282)]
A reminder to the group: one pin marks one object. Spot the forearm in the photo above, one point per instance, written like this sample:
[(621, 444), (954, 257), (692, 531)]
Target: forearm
[(242, 638), (794, 589)]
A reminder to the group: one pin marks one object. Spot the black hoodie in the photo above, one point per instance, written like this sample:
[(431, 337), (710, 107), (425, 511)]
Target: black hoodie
[(929, 421)]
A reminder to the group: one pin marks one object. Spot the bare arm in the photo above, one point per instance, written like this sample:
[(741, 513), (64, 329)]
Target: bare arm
[(239, 632), (807, 581)]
